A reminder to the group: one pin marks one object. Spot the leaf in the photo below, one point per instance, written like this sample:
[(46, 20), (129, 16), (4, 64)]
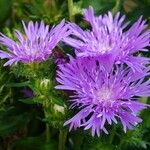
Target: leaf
[(28, 100), (35, 143), (146, 119), (99, 6), (10, 124), (57, 100), (26, 83), (5, 9)]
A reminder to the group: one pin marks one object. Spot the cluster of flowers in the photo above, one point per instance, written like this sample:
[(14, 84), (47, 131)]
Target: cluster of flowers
[(106, 77)]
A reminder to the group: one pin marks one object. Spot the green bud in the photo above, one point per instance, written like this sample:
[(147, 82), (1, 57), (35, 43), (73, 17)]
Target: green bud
[(45, 84), (59, 109)]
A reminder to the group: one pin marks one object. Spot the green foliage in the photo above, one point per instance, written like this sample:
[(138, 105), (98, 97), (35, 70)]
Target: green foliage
[(140, 7), (36, 122), (5, 92), (134, 139), (5, 9), (11, 121), (99, 6), (49, 11), (34, 70), (35, 143)]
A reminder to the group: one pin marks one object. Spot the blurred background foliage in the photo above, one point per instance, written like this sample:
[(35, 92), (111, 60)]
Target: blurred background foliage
[(22, 119)]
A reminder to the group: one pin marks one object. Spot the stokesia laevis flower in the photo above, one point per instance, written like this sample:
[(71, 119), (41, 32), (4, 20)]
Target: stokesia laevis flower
[(103, 97), (111, 39), (35, 45)]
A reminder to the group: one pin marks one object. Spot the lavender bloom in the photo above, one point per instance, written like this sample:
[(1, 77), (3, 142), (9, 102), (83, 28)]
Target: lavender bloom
[(110, 40), (28, 93), (103, 97), (35, 45)]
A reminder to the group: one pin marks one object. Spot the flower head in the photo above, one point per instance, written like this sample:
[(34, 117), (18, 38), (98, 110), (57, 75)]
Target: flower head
[(103, 97), (35, 45), (111, 40)]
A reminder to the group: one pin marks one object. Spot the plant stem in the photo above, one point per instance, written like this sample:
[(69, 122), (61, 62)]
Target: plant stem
[(144, 100), (70, 9), (47, 129), (78, 141), (62, 139), (112, 135), (120, 144), (117, 7), (47, 133)]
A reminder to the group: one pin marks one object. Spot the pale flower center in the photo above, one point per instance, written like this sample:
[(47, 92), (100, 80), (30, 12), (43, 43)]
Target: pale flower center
[(104, 94), (103, 47)]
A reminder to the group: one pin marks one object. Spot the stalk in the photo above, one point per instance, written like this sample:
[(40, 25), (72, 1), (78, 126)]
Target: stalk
[(62, 139), (70, 9), (112, 135), (47, 129), (47, 133), (117, 6), (120, 144)]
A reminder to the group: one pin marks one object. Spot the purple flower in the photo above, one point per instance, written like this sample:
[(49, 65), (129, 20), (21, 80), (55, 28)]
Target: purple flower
[(28, 93), (103, 97), (35, 45), (111, 40)]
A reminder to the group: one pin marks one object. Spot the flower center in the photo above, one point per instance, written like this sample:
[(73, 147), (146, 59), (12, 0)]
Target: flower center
[(104, 94), (102, 46)]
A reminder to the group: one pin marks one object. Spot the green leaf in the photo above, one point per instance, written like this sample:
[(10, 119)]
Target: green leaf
[(22, 84), (99, 6), (12, 123), (28, 101), (35, 143), (57, 100), (5, 9)]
